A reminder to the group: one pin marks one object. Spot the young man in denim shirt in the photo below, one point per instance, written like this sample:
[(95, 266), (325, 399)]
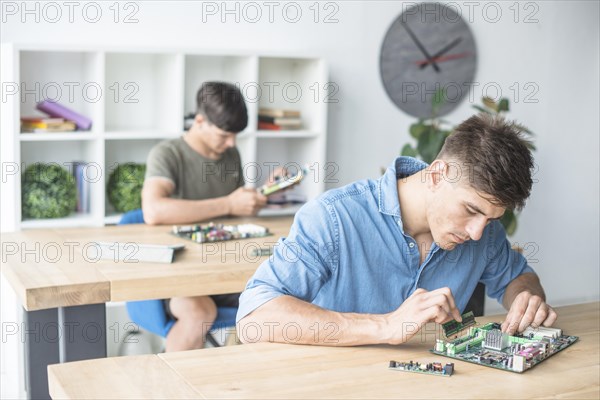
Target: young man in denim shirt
[(373, 261)]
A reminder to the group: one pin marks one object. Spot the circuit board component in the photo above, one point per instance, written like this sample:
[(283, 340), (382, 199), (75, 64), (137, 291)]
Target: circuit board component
[(453, 327), (434, 368)]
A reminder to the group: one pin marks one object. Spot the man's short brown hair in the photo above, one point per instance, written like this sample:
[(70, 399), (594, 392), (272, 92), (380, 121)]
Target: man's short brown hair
[(223, 104), (496, 157)]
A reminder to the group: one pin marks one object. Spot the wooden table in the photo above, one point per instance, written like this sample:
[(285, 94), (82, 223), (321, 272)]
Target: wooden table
[(63, 287), (268, 370)]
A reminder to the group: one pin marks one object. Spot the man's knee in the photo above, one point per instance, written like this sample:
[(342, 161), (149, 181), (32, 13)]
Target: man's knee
[(194, 309)]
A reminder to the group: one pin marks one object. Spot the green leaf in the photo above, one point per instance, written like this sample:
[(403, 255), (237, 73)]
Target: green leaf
[(490, 103), (408, 151), (509, 221), (446, 133), (417, 129), (430, 143), (503, 105), (481, 109)]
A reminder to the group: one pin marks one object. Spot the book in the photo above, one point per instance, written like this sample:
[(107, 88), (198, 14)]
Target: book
[(292, 122), (65, 126), (44, 120), (130, 252), (278, 113), (83, 186), (268, 127), (57, 110)]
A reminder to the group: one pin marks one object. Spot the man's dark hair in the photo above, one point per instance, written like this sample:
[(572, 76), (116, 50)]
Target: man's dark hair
[(223, 105), (496, 156)]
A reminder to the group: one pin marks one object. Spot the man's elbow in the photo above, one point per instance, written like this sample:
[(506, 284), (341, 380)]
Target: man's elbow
[(250, 331), (151, 216)]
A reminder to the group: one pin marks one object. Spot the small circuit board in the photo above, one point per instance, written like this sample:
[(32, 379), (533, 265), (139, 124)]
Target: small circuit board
[(219, 232), (434, 368), (489, 346), (282, 182)]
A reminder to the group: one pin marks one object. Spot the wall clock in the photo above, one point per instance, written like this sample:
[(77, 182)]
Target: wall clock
[(427, 48)]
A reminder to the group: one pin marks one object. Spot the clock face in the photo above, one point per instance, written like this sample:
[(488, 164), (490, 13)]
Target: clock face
[(427, 48)]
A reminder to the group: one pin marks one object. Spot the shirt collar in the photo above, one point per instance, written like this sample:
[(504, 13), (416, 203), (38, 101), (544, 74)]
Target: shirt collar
[(387, 185)]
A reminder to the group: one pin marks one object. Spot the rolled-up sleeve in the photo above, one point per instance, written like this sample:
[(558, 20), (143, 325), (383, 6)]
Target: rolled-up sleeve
[(505, 264), (301, 263)]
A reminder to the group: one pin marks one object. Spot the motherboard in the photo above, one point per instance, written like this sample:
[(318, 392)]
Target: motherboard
[(489, 346), (212, 232)]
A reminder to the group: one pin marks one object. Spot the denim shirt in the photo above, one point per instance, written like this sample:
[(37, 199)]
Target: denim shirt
[(347, 251)]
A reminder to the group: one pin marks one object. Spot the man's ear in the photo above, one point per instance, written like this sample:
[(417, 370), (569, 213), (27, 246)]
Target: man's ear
[(199, 118), (436, 172)]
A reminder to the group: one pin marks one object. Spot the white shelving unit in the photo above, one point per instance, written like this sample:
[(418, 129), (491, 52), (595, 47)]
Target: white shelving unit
[(136, 98)]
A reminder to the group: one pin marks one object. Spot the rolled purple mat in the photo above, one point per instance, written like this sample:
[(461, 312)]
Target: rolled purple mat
[(56, 110)]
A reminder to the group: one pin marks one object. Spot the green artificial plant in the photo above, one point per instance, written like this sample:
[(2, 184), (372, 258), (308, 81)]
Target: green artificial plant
[(48, 191), (124, 188)]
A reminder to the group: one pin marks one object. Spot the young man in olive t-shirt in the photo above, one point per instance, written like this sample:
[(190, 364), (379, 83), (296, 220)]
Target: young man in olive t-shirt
[(195, 178)]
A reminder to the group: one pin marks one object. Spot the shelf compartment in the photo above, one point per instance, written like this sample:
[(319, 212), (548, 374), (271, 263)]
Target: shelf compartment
[(295, 84), (64, 154), (71, 78), (142, 91)]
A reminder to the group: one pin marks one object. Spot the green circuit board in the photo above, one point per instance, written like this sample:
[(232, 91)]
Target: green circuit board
[(489, 346)]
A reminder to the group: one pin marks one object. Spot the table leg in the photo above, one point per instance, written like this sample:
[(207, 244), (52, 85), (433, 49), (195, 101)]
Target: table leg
[(60, 335), (84, 335), (42, 336)]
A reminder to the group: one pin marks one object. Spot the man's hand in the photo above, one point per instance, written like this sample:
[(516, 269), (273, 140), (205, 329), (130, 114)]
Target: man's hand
[(421, 307), (245, 202), (528, 309)]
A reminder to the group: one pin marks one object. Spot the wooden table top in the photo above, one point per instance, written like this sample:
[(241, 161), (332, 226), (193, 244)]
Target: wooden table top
[(49, 267), (268, 370)]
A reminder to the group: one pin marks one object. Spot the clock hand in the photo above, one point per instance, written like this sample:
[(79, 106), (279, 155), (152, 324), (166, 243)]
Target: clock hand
[(420, 46), (444, 50), (449, 57)]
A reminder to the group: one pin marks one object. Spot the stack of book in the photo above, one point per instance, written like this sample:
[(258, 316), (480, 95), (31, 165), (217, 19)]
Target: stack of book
[(275, 119), (60, 119), (41, 124)]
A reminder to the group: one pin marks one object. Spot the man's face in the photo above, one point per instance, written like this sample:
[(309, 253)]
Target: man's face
[(215, 139), (456, 213)]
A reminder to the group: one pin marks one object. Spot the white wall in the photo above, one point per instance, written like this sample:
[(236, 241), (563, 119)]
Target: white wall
[(559, 55)]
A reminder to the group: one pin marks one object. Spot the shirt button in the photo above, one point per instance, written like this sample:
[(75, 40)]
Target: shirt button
[(411, 245)]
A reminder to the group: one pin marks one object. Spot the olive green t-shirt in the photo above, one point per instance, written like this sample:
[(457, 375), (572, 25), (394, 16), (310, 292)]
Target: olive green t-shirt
[(195, 176)]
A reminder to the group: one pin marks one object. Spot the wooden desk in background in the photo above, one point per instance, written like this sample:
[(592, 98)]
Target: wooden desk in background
[(268, 370), (63, 289)]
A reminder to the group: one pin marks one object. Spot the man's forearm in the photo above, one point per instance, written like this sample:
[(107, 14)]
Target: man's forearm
[(176, 211), (525, 282), (287, 319)]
